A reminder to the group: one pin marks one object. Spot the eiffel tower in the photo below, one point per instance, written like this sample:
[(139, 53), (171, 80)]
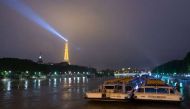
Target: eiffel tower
[(66, 53)]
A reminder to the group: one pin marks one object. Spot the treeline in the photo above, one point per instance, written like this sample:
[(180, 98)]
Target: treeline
[(175, 66), (22, 65)]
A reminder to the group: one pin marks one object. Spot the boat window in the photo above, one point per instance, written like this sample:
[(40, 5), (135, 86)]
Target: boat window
[(150, 90), (128, 88), (140, 90), (109, 87), (119, 87), (162, 90), (172, 91)]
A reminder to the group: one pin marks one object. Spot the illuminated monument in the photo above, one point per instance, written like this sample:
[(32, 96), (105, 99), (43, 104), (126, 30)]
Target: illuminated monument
[(66, 54), (26, 11)]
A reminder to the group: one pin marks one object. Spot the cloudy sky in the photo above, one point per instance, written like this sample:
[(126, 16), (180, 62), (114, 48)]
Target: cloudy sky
[(101, 33)]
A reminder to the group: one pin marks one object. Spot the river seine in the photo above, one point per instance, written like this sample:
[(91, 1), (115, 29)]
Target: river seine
[(67, 93)]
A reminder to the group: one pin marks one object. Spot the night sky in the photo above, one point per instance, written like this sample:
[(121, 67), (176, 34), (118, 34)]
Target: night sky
[(101, 33)]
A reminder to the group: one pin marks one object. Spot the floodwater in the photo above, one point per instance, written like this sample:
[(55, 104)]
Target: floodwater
[(67, 93)]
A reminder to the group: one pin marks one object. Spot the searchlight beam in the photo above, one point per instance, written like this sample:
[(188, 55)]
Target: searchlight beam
[(27, 12)]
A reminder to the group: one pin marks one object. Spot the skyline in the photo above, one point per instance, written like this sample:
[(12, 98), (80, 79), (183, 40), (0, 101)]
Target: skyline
[(104, 34)]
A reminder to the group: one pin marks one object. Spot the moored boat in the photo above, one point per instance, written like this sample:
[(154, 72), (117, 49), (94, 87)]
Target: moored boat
[(157, 90), (114, 90)]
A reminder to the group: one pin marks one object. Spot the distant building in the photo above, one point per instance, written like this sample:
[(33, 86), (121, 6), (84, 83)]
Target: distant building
[(128, 70), (40, 60)]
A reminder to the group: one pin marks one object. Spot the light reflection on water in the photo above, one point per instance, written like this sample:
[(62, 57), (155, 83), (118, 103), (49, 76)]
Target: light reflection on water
[(78, 79), (8, 85), (55, 82), (66, 92), (69, 81), (26, 84)]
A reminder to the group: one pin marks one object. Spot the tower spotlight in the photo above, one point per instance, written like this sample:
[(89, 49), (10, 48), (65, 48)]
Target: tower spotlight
[(20, 7)]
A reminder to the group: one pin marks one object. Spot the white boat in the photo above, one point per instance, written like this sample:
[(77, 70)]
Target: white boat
[(157, 90), (114, 90)]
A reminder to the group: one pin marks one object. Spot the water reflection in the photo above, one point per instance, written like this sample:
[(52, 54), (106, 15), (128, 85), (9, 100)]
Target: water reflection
[(39, 83), (74, 80), (8, 85), (26, 84), (66, 92), (54, 82), (78, 79), (83, 79), (69, 81), (36, 83), (49, 82), (65, 80)]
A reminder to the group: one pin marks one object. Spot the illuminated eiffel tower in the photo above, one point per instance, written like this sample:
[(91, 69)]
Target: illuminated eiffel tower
[(66, 54)]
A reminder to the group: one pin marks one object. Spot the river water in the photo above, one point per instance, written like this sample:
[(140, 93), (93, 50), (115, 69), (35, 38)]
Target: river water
[(67, 93)]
